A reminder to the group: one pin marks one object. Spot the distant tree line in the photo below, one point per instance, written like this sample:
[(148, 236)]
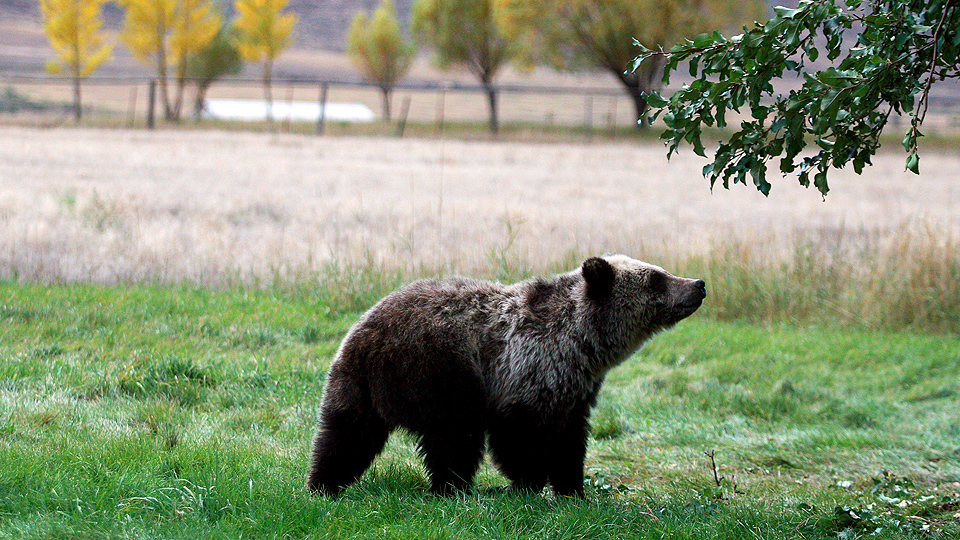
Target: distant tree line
[(483, 36), (189, 40)]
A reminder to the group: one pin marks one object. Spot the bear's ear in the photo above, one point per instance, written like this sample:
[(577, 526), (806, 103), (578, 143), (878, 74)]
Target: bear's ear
[(599, 276)]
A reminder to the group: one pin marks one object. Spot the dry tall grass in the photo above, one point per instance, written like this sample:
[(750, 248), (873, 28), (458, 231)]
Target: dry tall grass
[(118, 206), (906, 279)]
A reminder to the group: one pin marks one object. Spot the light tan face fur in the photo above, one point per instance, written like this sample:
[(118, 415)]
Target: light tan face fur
[(622, 262), (672, 297)]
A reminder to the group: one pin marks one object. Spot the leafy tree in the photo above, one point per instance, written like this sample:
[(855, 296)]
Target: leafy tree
[(880, 56), (378, 49), (74, 30), (219, 58), (197, 24), (465, 32), (164, 33), (263, 32), (600, 33), (146, 26)]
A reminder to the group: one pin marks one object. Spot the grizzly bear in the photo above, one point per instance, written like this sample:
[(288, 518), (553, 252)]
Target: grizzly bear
[(464, 364)]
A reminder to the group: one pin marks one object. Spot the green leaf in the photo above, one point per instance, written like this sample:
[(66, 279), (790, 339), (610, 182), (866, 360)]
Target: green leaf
[(707, 170), (655, 100), (909, 141), (703, 40), (785, 13), (820, 180), (913, 163)]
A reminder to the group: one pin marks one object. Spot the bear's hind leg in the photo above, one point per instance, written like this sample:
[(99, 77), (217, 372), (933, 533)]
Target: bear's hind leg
[(452, 459), (343, 448)]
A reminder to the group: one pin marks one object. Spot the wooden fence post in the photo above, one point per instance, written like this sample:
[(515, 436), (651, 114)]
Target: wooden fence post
[(151, 102), (588, 115), (132, 107), (441, 106), (402, 125), (321, 118)]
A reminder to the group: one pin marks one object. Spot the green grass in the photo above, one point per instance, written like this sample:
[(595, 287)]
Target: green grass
[(164, 411)]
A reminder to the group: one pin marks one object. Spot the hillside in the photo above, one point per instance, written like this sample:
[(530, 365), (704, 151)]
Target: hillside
[(322, 25)]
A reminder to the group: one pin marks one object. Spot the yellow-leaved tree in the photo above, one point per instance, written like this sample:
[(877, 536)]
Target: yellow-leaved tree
[(164, 33), (196, 25), (145, 30), (74, 29), (377, 48), (263, 32)]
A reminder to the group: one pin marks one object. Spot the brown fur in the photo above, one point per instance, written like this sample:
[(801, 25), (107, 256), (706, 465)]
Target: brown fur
[(458, 360)]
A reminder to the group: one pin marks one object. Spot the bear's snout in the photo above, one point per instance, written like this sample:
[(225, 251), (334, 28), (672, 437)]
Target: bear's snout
[(702, 286), (694, 296)]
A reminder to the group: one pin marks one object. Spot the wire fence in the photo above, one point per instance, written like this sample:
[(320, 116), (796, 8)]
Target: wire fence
[(319, 103), (314, 105)]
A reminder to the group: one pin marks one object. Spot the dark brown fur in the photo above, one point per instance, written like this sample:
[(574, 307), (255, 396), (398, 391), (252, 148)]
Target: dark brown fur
[(458, 360)]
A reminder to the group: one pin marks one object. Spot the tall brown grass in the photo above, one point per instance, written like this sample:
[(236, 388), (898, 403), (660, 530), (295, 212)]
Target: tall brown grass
[(905, 280)]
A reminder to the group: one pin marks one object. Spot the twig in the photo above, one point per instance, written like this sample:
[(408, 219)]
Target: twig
[(719, 479), (924, 99), (713, 467)]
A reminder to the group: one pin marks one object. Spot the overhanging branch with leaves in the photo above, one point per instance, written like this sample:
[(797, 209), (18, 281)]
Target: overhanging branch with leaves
[(835, 116)]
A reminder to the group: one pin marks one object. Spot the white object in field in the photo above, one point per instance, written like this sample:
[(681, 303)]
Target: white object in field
[(251, 109)]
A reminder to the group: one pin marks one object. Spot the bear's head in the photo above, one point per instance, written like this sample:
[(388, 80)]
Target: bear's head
[(638, 298)]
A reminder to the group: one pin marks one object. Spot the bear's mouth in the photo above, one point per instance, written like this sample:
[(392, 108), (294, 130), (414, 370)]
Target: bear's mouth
[(693, 300), (689, 305)]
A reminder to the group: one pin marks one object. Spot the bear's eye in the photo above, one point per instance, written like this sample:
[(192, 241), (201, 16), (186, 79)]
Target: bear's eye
[(657, 282)]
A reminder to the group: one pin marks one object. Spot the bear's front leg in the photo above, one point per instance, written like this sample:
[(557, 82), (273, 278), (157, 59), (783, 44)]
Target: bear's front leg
[(518, 449), (567, 451)]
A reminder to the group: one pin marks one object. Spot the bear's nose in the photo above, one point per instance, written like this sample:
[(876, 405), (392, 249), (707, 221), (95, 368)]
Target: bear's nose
[(702, 286)]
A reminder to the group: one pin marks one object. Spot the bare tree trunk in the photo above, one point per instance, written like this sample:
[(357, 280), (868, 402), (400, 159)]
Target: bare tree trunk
[(178, 98), (267, 90), (200, 100), (492, 102), (75, 68), (162, 78), (77, 108), (644, 79), (385, 100), (639, 105)]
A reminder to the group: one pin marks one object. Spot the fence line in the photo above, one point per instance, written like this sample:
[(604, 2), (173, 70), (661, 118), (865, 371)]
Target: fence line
[(556, 102), (454, 101)]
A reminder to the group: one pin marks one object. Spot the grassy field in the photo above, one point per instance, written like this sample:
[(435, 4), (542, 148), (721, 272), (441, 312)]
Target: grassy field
[(170, 301), (168, 411)]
